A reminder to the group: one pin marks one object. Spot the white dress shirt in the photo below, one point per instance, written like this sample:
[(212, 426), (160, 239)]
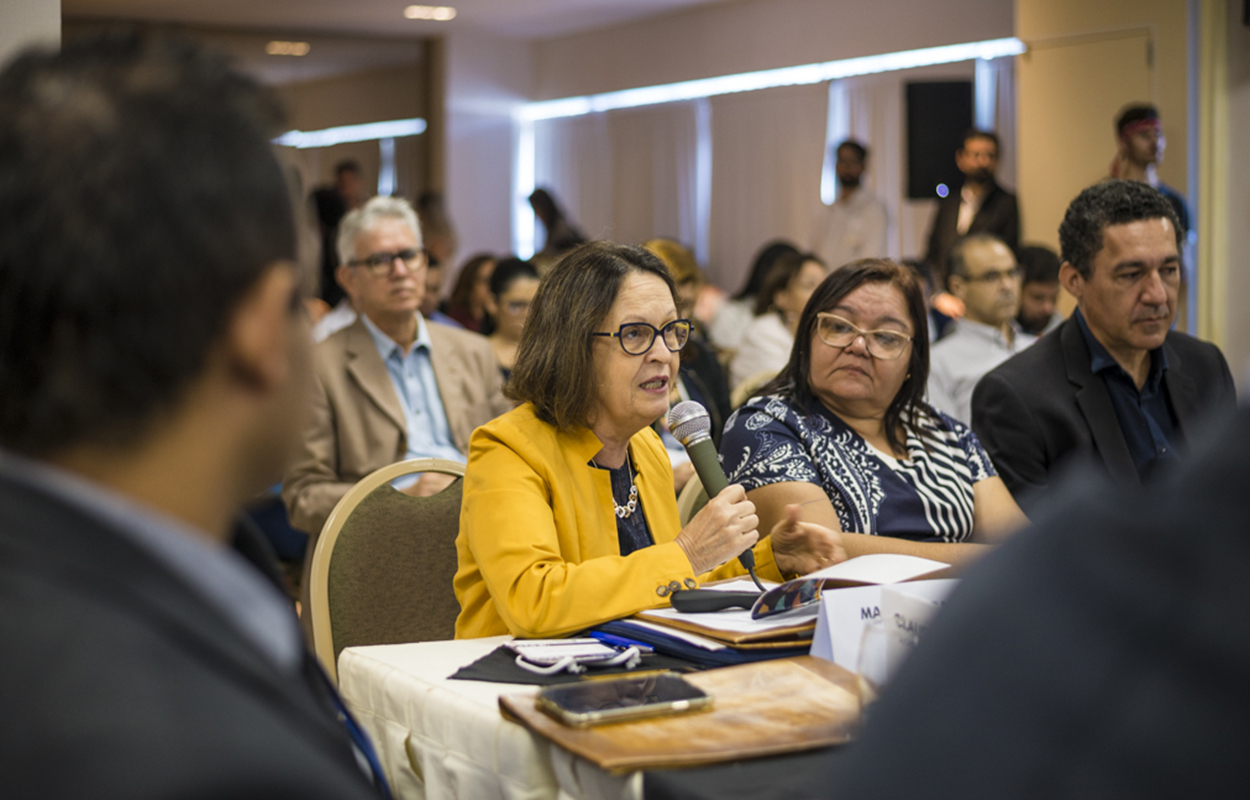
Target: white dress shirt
[(854, 227), (961, 358)]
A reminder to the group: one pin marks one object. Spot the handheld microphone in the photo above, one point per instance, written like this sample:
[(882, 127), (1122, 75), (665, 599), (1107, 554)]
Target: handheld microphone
[(689, 423)]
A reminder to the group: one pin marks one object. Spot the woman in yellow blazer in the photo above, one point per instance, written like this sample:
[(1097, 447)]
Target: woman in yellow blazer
[(569, 517)]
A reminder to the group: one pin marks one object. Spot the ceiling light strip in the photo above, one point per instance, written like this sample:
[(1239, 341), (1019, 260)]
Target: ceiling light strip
[(770, 78), (370, 131)]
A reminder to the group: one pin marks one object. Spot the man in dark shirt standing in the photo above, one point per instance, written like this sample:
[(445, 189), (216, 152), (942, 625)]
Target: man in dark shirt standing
[(1114, 383), (979, 206)]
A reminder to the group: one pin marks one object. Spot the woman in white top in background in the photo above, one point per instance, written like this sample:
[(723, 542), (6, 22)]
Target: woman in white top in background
[(767, 341)]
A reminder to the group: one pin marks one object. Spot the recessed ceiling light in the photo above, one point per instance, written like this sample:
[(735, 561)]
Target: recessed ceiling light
[(276, 48), (436, 13)]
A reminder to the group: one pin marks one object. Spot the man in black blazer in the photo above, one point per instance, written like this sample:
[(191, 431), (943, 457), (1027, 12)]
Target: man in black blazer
[(979, 206), (153, 359), (1113, 384)]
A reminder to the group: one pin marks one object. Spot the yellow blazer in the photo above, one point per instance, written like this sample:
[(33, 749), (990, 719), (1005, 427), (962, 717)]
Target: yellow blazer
[(538, 550)]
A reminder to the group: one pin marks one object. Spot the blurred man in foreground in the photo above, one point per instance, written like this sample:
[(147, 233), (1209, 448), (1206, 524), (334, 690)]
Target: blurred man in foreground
[(153, 361), (1105, 653)]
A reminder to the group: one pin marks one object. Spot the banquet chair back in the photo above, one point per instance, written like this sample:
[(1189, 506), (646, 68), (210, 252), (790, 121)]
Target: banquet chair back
[(383, 567)]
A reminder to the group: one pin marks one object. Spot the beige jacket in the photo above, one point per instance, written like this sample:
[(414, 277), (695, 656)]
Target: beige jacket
[(357, 424)]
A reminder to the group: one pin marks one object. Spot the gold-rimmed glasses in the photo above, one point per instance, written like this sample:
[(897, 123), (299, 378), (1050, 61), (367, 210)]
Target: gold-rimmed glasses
[(838, 332)]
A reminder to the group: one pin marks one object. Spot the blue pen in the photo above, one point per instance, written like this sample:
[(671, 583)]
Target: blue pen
[(621, 641)]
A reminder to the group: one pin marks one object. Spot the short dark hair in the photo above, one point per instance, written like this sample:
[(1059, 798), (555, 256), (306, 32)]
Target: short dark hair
[(509, 271), (860, 150), (957, 260), (555, 361), (784, 269), (141, 200), (347, 165), (1038, 264), (794, 382), (978, 133), (1112, 202), (1136, 112), (764, 259)]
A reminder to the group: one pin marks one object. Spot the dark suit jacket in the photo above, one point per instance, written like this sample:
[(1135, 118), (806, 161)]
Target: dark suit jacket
[(1105, 653), (1043, 408), (999, 215), (119, 681)]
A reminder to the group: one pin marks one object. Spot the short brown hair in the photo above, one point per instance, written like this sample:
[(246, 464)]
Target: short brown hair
[(794, 382), (555, 360)]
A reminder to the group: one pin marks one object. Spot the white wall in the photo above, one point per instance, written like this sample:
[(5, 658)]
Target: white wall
[(486, 79), (27, 22), (1236, 334), (487, 76), (721, 39)]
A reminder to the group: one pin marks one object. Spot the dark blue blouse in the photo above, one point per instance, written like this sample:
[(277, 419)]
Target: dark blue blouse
[(925, 497)]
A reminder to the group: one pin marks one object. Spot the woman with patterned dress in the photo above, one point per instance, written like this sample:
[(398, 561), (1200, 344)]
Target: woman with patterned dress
[(844, 430)]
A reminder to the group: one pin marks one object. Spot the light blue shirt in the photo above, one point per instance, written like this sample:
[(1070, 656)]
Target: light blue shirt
[(222, 577), (412, 374)]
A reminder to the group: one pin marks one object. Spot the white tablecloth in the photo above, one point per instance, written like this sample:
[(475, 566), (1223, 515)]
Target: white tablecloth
[(439, 738)]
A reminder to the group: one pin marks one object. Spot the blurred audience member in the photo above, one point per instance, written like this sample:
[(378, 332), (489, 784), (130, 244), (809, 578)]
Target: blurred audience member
[(470, 297), (349, 182), (562, 236), (766, 343), (844, 432), (701, 377), (733, 318), (1113, 384), (437, 232), (1139, 152), (857, 223), (431, 302), (985, 277), (390, 386), (513, 285), (337, 319), (154, 363), (1103, 654), (980, 205), (1039, 290)]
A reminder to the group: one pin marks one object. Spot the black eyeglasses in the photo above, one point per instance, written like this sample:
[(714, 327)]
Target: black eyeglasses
[(380, 264), (637, 337)]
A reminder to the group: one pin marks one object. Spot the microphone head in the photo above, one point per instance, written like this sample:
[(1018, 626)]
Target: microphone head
[(687, 420)]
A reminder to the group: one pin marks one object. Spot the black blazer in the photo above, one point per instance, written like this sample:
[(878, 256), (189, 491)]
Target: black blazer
[(119, 681), (1043, 408), (999, 215)]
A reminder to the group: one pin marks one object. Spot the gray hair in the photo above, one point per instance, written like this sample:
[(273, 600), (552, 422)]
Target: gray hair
[(363, 220)]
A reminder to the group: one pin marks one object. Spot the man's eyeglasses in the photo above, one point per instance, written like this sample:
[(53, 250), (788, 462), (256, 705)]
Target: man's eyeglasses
[(380, 264), (837, 332), (637, 337), (994, 275)]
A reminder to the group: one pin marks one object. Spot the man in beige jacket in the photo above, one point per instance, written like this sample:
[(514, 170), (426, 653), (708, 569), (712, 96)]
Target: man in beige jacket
[(391, 385)]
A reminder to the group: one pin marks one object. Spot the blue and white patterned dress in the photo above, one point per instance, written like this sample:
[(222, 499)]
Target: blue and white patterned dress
[(925, 497)]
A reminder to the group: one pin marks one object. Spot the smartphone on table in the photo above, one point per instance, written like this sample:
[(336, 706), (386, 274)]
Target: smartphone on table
[(596, 702)]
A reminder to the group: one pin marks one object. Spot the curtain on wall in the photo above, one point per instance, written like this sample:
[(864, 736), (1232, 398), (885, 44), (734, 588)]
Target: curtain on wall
[(767, 149), (728, 174), (627, 175)]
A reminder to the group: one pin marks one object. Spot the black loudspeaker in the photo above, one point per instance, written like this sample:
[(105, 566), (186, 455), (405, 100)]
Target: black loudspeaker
[(938, 116)]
